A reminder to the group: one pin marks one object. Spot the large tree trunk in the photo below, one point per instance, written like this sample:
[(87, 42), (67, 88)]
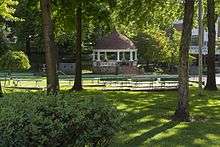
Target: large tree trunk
[(211, 80), (50, 49), (78, 74), (28, 46), (182, 112), (1, 93)]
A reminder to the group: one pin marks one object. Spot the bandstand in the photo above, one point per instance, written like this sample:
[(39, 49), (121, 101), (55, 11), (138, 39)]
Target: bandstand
[(115, 54)]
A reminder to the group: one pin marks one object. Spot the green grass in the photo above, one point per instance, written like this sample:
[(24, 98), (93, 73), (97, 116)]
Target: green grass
[(147, 118)]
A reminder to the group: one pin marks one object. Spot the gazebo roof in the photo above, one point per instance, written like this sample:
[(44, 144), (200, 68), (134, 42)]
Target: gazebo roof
[(114, 41)]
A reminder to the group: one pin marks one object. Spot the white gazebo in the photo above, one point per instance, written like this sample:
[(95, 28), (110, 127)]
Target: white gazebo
[(112, 52)]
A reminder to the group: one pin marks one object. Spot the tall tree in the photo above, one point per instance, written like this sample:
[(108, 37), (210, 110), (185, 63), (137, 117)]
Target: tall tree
[(88, 11), (6, 12), (50, 49), (211, 79), (78, 74), (29, 32), (182, 111), (1, 93)]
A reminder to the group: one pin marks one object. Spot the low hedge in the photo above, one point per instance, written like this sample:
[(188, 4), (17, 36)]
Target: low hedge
[(63, 120)]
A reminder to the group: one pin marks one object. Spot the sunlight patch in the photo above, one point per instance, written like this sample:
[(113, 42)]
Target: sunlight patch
[(213, 136), (122, 106), (199, 141), (145, 119)]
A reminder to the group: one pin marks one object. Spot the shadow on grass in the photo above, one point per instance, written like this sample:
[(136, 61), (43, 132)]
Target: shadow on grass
[(138, 140), (145, 111)]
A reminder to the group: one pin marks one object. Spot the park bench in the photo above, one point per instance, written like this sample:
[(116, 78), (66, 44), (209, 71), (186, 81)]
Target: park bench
[(94, 81), (147, 84), (168, 82), (69, 80), (143, 82), (118, 83), (16, 82), (26, 88), (113, 80), (5, 80), (169, 79)]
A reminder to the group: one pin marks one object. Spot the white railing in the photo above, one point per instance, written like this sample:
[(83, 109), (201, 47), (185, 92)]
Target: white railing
[(195, 50), (112, 63), (109, 63)]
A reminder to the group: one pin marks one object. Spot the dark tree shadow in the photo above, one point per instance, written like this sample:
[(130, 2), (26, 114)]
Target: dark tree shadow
[(138, 140)]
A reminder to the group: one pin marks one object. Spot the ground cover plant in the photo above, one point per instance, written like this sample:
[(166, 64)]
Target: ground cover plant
[(35, 119)]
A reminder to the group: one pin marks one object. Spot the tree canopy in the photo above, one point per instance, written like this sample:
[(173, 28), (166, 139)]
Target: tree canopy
[(7, 9), (14, 61)]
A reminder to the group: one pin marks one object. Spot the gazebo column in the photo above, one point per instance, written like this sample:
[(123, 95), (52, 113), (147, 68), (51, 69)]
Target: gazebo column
[(98, 56), (136, 56), (131, 56), (93, 56), (106, 58), (123, 55), (118, 56)]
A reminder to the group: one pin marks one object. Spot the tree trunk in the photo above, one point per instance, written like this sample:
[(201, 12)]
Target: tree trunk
[(1, 93), (50, 49), (211, 80), (78, 74), (182, 112), (28, 46)]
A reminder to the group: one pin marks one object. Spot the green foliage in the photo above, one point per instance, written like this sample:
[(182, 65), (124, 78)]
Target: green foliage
[(3, 41), (62, 120), (14, 60), (7, 9), (137, 15), (28, 31), (156, 47), (95, 15)]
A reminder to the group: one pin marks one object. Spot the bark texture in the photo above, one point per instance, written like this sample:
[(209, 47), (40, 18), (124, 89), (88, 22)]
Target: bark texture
[(50, 49), (28, 46), (211, 79), (182, 112), (78, 74), (1, 93)]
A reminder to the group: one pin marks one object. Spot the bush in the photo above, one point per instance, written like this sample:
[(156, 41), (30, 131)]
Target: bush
[(64, 120), (14, 60)]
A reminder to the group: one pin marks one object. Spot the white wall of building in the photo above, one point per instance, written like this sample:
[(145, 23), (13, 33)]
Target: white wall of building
[(195, 31)]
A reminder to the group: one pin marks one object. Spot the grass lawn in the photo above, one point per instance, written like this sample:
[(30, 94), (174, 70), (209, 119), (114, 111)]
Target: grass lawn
[(147, 118)]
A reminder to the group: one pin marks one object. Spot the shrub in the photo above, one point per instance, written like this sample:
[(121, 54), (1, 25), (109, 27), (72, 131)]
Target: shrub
[(14, 60), (64, 120)]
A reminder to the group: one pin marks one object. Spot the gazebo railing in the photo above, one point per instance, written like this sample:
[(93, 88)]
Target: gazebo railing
[(101, 63)]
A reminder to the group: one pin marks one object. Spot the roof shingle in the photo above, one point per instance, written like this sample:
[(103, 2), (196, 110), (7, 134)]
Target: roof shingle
[(114, 40)]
